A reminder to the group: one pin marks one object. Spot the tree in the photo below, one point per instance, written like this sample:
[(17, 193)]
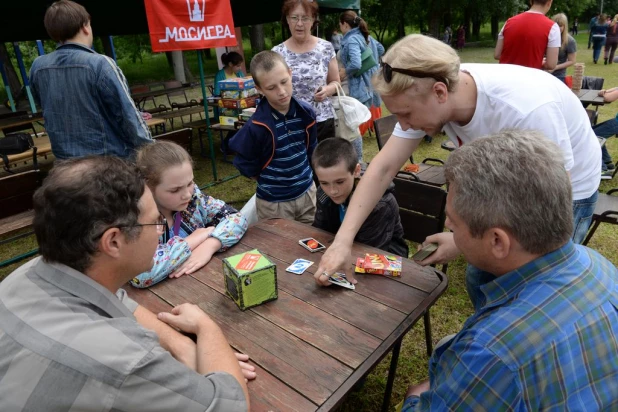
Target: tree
[(11, 73), (256, 37)]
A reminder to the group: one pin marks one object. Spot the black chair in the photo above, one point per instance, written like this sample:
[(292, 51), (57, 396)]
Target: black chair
[(422, 212), (16, 129), (384, 129), (172, 84), (183, 137), (606, 211)]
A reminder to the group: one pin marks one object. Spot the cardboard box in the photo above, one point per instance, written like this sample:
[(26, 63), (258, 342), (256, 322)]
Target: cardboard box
[(238, 83), (227, 120), (238, 94), (375, 264), (250, 279), (238, 103)]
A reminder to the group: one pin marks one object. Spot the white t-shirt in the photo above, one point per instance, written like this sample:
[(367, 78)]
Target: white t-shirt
[(554, 40), (517, 97)]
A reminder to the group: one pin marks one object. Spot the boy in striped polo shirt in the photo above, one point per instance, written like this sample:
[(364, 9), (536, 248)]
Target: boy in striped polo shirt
[(276, 145)]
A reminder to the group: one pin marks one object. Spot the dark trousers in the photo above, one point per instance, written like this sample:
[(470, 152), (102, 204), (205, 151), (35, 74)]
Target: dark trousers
[(610, 48), (326, 129)]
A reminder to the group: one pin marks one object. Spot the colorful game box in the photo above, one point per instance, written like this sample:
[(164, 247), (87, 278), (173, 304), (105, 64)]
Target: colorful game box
[(239, 94), (238, 103), (250, 279), (375, 264), (238, 83)]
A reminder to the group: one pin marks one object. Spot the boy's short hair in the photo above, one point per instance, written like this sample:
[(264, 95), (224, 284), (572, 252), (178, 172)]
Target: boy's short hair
[(265, 61), (332, 151), (64, 19)]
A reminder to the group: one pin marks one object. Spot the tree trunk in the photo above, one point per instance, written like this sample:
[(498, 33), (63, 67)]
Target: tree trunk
[(207, 54), (434, 25), (256, 37), (495, 21), (170, 62), (466, 22), (188, 75), (11, 73), (476, 26), (401, 26)]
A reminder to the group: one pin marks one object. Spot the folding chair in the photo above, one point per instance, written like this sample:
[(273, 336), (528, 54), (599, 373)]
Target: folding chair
[(15, 129), (183, 137), (384, 129), (606, 211), (422, 212)]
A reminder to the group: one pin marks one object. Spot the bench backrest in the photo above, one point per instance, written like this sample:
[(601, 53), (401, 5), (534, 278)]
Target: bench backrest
[(15, 129), (16, 192)]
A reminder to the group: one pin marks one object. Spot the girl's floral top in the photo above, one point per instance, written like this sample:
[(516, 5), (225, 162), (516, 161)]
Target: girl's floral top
[(203, 211)]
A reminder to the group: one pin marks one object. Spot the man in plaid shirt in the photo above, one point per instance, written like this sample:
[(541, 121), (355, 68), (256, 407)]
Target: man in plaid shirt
[(546, 334)]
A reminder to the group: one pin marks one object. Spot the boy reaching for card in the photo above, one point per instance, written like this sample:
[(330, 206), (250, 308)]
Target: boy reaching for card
[(336, 166), (275, 146)]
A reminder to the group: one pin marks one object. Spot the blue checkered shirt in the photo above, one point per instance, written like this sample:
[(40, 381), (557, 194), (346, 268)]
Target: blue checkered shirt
[(547, 339)]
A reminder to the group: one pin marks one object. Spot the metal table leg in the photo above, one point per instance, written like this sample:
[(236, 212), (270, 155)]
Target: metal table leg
[(391, 376)]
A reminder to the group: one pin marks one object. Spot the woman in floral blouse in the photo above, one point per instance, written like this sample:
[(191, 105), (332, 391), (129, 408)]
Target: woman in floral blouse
[(198, 225), (312, 61)]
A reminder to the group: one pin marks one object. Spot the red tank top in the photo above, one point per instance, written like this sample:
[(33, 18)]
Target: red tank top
[(525, 40)]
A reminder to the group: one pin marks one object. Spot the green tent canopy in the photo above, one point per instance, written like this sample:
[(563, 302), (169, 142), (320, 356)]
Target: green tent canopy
[(23, 20)]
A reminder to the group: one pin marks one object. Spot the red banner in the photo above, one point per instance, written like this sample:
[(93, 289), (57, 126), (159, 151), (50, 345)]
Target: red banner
[(189, 24)]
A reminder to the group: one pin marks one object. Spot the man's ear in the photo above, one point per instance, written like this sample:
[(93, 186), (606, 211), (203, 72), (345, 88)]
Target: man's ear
[(357, 170), (111, 242), (441, 91), (499, 243)]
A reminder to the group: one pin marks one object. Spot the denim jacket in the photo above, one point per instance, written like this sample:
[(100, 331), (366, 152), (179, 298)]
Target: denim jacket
[(352, 48), (86, 104)]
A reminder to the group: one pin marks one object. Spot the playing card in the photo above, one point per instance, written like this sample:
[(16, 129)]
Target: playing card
[(340, 279), (425, 252), (299, 266), (311, 244)]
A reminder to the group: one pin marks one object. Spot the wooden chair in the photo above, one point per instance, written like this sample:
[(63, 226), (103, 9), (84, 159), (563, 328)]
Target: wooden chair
[(422, 211), (384, 129), (15, 129), (606, 211), (16, 200), (183, 137)]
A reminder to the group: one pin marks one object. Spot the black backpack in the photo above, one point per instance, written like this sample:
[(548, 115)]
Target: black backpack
[(16, 143)]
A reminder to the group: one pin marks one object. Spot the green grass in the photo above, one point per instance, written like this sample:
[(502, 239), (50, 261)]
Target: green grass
[(452, 309)]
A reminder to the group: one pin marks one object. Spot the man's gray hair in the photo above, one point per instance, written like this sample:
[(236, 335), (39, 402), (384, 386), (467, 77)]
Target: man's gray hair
[(514, 180)]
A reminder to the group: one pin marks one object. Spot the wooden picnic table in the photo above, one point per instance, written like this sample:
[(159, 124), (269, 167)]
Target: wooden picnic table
[(313, 344), (587, 96)]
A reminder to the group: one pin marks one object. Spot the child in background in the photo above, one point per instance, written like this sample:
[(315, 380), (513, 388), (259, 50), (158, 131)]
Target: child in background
[(274, 147), (338, 171), (197, 225)]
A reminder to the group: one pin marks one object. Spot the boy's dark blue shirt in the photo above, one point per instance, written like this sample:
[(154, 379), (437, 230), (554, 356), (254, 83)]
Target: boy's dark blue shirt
[(277, 149)]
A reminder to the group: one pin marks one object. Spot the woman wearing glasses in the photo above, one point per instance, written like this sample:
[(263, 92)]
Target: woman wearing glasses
[(194, 225), (312, 61), (423, 83)]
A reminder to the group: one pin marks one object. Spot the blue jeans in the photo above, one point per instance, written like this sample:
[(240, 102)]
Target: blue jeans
[(597, 45), (582, 216)]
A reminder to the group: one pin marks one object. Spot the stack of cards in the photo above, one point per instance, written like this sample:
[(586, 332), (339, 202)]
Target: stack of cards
[(339, 279), (311, 244), (299, 266), (425, 252)]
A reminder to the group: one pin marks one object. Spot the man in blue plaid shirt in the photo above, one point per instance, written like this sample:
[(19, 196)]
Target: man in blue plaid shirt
[(546, 334)]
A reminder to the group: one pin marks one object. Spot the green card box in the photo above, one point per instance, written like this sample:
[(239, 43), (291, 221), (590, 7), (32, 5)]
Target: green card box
[(250, 279)]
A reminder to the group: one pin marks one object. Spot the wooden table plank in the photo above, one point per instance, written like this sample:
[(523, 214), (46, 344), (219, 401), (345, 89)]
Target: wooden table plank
[(423, 278), (267, 392), (312, 324), (337, 303), (312, 372)]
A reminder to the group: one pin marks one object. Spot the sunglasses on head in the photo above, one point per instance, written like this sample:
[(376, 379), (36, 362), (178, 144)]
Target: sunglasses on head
[(388, 70)]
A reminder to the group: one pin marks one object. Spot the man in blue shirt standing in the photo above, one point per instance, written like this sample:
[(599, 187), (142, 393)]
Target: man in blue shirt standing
[(85, 98), (545, 336)]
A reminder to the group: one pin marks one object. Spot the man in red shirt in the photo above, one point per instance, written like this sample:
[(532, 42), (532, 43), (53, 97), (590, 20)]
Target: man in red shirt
[(528, 37)]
